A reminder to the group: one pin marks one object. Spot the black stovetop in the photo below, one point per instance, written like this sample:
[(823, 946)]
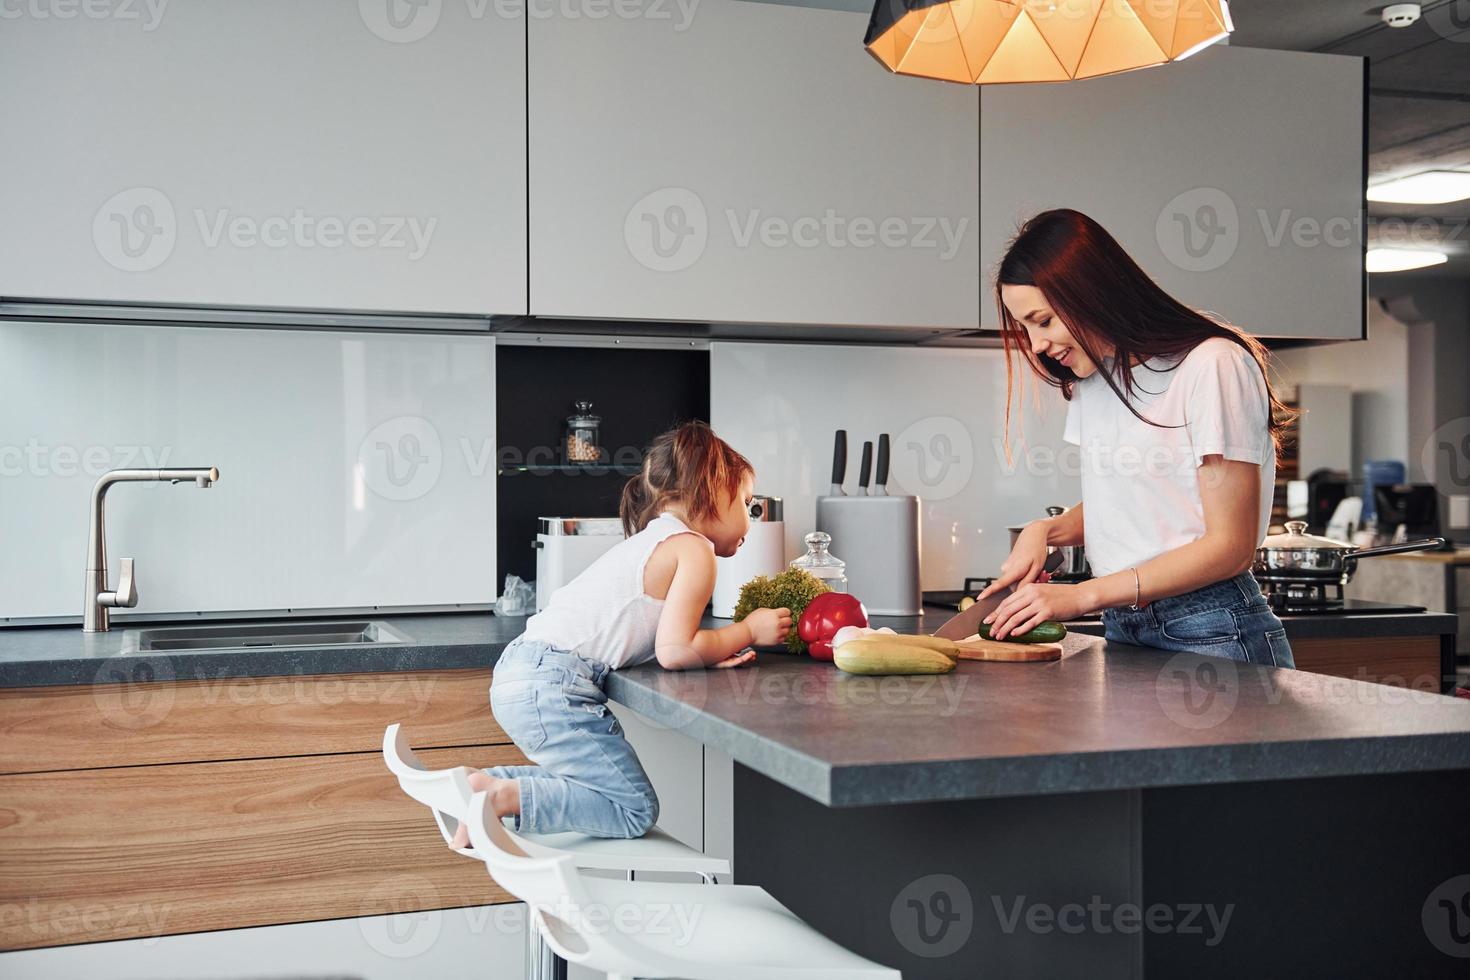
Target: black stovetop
[(1350, 607), (1337, 607)]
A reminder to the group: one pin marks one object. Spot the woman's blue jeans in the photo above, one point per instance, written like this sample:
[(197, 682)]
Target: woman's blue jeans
[(1228, 619)]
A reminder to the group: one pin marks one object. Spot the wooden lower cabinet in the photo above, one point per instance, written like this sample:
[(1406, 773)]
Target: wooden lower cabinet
[(1403, 661), (308, 833), (1417, 662), (132, 722)]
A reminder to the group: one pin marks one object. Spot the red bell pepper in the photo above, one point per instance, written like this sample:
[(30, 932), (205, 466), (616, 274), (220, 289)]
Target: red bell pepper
[(824, 616)]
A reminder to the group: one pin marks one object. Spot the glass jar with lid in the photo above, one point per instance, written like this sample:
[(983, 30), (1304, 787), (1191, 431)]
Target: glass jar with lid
[(821, 563), (581, 442)]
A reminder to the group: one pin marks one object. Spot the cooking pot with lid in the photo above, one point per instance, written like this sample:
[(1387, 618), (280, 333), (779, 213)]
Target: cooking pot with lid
[(1073, 565)]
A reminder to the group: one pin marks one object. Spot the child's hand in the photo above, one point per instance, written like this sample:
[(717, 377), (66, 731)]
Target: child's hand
[(768, 627), (740, 659)]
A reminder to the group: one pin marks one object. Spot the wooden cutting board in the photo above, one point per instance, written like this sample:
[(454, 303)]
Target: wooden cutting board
[(996, 651)]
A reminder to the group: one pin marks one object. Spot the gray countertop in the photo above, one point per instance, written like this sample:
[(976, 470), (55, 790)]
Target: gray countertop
[(1105, 717), (37, 656)]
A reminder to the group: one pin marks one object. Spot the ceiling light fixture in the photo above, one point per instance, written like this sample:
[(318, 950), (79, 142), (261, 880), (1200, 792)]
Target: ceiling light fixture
[(1430, 187), (1403, 259), (984, 42)]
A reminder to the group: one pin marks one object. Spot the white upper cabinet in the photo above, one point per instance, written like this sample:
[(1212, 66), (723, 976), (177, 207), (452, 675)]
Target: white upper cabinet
[(746, 162), (1234, 178), (327, 154)]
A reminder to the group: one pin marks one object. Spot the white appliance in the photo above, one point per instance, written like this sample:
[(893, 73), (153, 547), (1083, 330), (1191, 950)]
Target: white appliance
[(1346, 519), (565, 546), (762, 553)]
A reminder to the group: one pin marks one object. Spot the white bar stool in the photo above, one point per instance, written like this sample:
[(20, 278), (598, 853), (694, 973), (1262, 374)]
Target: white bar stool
[(642, 929), (446, 792)]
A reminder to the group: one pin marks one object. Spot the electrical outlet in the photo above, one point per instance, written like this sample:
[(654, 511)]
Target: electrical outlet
[(1459, 511)]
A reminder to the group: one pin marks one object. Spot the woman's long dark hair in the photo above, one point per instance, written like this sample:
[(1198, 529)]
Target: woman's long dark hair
[(1107, 302)]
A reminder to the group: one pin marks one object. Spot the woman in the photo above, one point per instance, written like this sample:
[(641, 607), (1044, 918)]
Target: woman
[(1177, 424)]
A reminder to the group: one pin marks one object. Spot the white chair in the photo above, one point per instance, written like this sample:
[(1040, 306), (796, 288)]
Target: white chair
[(644, 929), (446, 792)]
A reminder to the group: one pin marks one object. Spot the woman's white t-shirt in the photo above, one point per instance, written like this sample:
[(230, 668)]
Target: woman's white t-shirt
[(1140, 482)]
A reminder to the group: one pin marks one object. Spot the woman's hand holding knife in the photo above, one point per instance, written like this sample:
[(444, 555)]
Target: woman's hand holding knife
[(1034, 599)]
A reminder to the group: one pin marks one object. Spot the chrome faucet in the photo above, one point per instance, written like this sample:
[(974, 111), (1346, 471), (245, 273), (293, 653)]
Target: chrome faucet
[(99, 599)]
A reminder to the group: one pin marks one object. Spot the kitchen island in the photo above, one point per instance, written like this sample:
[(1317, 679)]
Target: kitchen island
[(1115, 813), (956, 825)]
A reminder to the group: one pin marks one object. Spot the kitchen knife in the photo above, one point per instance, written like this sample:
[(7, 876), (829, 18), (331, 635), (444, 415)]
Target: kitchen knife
[(839, 464), (880, 479), (865, 469), (967, 623)]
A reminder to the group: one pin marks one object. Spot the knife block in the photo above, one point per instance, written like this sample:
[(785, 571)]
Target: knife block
[(878, 538)]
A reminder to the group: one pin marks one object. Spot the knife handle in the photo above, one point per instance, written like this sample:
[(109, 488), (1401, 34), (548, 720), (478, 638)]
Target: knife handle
[(865, 469), (839, 458), (881, 477)]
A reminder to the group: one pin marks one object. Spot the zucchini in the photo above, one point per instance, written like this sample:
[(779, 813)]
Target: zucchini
[(936, 643), (896, 655), (1048, 632)]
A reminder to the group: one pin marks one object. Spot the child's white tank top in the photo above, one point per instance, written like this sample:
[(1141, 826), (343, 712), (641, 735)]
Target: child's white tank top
[(603, 615)]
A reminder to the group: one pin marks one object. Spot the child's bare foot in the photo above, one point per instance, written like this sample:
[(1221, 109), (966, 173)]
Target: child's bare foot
[(505, 800)]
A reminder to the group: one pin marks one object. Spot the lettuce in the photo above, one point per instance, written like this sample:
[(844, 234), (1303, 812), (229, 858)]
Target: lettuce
[(792, 589)]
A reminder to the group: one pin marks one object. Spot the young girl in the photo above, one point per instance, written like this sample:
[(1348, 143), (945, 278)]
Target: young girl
[(641, 600), (1178, 427)]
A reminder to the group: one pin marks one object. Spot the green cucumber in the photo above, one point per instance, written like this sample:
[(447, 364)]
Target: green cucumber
[(1048, 632)]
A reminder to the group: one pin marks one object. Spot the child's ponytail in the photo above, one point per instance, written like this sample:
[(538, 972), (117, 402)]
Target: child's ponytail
[(690, 466), (638, 503)]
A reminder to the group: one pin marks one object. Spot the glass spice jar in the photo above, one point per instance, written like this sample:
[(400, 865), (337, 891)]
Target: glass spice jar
[(581, 443), (821, 563)]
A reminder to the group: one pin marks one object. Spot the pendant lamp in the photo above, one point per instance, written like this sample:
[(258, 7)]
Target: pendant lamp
[(984, 42)]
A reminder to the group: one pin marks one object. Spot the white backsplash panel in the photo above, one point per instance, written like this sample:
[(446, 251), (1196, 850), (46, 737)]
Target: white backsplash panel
[(780, 404), (356, 469)]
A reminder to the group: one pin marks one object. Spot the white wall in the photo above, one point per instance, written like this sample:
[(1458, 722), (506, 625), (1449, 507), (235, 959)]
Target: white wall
[(1377, 370), (318, 503), (779, 404)]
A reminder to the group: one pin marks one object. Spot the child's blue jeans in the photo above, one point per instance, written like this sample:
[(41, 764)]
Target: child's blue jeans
[(586, 776)]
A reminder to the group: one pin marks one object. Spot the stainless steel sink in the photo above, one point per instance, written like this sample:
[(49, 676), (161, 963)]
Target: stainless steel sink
[(237, 636)]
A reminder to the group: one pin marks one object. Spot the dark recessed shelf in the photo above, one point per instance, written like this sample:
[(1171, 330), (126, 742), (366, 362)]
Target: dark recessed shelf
[(574, 469)]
